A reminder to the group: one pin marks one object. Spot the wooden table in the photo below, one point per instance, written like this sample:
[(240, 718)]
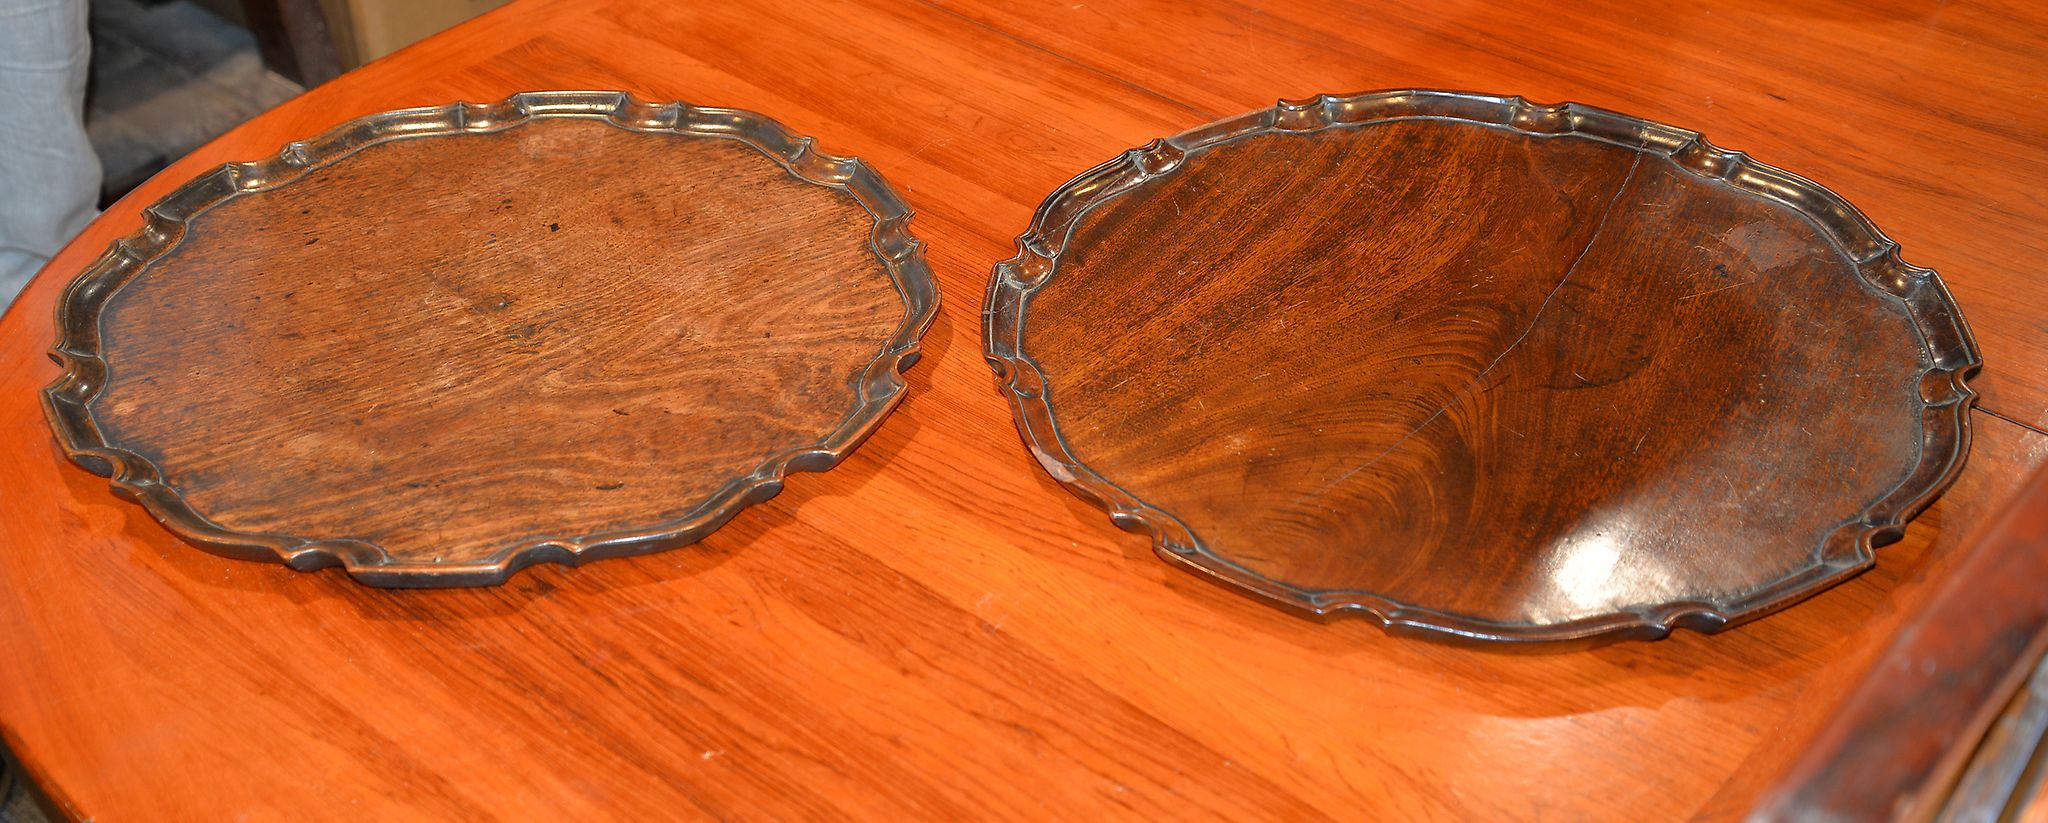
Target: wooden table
[(936, 628)]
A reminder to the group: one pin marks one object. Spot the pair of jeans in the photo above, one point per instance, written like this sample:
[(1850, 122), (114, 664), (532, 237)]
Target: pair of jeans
[(49, 177)]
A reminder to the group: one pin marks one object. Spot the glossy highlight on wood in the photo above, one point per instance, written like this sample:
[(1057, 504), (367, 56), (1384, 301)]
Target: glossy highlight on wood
[(1482, 369), (438, 345)]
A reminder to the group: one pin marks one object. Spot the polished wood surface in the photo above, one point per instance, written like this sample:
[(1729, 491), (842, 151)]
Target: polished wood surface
[(438, 357), (1511, 372), (936, 626)]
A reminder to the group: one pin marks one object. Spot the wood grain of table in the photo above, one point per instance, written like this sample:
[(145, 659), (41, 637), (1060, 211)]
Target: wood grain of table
[(936, 628)]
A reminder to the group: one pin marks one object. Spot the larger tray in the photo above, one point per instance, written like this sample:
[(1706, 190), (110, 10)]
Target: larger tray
[(439, 344), (1480, 368)]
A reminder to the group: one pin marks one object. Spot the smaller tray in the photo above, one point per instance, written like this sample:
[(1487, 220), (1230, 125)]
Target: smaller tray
[(1482, 369), (436, 345)]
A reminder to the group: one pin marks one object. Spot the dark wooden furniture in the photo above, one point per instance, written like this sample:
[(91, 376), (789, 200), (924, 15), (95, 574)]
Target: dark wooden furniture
[(936, 627), (436, 346), (295, 38), (1482, 369), (1950, 722)]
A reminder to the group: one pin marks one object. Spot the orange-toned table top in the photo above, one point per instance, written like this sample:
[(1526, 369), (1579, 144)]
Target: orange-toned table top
[(936, 628)]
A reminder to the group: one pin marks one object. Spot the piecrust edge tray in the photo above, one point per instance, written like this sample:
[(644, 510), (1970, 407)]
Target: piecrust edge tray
[(67, 399), (1945, 337)]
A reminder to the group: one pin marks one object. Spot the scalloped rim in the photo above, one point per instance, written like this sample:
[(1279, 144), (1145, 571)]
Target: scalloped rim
[(68, 400), (1945, 337)]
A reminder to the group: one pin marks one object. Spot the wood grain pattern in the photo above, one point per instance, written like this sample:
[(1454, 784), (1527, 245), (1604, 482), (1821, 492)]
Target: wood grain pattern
[(1762, 75), (935, 624), (438, 359), (1482, 369)]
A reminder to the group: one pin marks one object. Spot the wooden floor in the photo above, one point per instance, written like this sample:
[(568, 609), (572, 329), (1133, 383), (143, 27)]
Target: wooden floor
[(936, 628)]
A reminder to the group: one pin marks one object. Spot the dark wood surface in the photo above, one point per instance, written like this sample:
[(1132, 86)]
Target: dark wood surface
[(1514, 372), (937, 625), (1903, 742), (441, 358)]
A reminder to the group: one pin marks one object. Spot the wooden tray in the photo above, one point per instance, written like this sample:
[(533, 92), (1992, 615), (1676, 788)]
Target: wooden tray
[(437, 345), (1482, 369)]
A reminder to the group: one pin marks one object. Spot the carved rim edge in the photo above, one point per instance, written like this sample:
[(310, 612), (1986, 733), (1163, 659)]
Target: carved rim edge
[(1944, 388), (68, 399)]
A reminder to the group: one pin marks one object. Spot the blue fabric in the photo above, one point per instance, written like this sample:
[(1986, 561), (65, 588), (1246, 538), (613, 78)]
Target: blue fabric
[(49, 177)]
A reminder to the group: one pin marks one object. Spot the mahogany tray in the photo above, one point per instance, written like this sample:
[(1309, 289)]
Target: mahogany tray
[(1482, 369), (434, 346)]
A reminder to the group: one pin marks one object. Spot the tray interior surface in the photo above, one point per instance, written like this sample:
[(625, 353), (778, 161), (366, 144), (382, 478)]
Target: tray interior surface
[(1475, 380)]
